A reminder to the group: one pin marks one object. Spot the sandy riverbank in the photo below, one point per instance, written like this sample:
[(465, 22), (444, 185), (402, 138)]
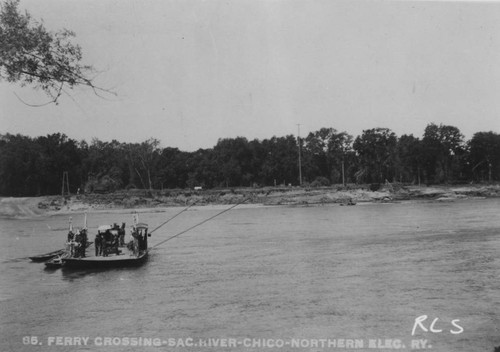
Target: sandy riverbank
[(141, 200)]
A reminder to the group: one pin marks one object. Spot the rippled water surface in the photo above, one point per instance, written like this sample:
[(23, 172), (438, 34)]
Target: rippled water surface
[(267, 273)]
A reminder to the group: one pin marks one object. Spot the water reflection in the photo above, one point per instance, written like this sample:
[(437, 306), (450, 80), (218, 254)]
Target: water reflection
[(74, 274)]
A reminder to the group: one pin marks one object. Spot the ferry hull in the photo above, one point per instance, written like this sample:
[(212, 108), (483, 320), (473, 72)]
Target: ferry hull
[(120, 261)]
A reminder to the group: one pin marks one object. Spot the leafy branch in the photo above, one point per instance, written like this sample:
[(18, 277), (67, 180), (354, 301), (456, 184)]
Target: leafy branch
[(31, 55)]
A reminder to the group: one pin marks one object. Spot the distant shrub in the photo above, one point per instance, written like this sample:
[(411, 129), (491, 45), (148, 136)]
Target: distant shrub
[(320, 182), (374, 187)]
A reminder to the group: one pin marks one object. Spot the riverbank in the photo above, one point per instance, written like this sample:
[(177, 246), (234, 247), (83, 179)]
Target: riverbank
[(140, 199)]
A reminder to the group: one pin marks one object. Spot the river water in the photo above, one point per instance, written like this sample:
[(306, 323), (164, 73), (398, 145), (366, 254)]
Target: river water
[(322, 278)]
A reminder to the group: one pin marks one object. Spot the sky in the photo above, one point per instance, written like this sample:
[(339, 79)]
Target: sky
[(188, 72)]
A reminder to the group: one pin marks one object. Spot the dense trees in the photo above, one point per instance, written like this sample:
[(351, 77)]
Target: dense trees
[(34, 166), (326, 152), (376, 150), (443, 150), (484, 157), (410, 159)]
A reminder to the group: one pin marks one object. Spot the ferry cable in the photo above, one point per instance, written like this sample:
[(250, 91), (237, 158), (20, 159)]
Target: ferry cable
[(201, 223), (173, 217)]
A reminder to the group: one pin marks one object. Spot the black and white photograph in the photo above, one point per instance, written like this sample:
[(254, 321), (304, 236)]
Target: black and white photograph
[(250, 175)]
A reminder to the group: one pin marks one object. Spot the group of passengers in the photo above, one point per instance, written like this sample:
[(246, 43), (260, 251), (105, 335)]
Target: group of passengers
[(109, 240), (138, 240), (77, 243)]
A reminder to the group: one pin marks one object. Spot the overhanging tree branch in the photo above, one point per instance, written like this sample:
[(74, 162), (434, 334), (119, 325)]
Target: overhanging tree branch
[(31, 55)]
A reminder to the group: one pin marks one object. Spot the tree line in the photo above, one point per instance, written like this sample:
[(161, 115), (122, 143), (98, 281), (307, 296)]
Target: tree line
[(34, 166), (51, 62)]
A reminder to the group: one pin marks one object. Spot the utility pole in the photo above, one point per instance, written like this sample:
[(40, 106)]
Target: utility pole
[(65, 183), (300, 162), (343, 176)]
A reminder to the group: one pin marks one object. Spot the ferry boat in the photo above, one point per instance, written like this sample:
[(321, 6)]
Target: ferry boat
[(110, 252)]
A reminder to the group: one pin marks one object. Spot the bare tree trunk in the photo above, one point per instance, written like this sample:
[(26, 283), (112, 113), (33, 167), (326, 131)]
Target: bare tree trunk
[(149, 180), (140, 178)]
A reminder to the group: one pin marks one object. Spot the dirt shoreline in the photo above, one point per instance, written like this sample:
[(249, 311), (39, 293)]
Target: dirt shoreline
[(141, 200)]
